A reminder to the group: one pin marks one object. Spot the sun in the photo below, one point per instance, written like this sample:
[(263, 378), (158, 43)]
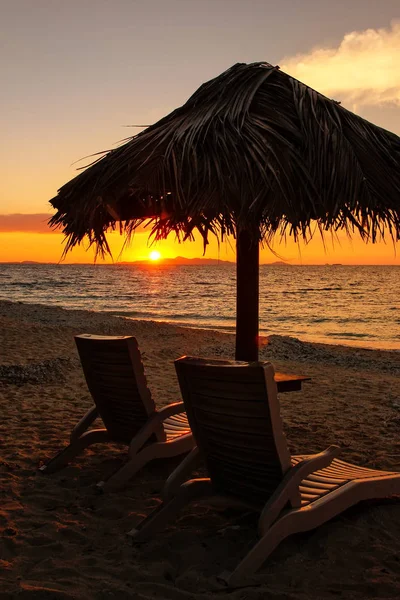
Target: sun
[(155, 255)]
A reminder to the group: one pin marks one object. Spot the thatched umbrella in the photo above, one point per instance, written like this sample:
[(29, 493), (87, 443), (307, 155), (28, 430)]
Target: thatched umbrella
[(252, 152)]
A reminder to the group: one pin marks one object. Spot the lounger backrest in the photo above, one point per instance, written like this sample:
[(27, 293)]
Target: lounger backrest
[(233, 411), (115, 377)]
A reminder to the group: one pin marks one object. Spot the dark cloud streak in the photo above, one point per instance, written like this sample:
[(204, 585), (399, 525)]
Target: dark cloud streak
[(28, 223)]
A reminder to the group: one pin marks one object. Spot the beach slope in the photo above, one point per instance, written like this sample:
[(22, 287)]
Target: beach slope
[(61, 539)]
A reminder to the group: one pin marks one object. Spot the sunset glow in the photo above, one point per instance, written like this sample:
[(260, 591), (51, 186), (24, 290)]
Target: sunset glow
[(47, 247), (154, 255)]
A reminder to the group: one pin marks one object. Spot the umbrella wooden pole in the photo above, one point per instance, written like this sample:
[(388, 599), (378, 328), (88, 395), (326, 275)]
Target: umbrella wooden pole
[(247, 295)]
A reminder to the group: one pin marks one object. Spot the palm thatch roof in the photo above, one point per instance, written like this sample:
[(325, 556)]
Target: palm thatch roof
[(253, 147)]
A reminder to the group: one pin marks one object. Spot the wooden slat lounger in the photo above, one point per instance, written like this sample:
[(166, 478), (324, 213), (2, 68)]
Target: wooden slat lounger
[(240, 435), (115, 377)]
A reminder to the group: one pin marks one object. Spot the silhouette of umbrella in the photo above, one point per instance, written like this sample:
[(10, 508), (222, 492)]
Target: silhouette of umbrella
[(253, 152)]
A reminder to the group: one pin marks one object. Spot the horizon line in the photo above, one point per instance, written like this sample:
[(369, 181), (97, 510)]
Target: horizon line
[(163, 261)]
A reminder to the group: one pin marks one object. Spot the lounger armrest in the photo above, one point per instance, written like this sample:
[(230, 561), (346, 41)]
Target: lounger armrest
[(315, 462), (152, 425), (291, 482), (84, 423), (171, 409)]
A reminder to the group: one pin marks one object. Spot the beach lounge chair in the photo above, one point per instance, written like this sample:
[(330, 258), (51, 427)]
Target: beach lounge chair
[(233, 411), (115, 377)]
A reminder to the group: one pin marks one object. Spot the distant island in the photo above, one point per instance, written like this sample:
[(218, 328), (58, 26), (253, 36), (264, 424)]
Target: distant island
[(179, 260)]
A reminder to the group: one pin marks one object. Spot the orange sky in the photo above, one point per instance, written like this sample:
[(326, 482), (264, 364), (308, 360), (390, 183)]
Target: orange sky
[(63, 101)]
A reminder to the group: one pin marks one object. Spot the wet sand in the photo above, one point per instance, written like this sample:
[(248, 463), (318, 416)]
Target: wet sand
[(60, 538)]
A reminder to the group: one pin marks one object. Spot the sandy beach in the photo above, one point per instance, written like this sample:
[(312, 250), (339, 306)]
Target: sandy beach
[(61, 538)]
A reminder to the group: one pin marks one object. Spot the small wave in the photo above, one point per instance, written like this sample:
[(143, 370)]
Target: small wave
[(321, 289), (350, 334), (355, 320), (143, 314), (307, 290), (202, 325), (26, 284), (169, 316), (284, 318), (320, 320), (206, 295), (58, 283)]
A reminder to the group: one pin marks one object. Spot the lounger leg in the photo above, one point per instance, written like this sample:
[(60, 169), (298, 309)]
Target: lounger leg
[(179, 475), (121, 476), (260, 552), (75, 447), (164, 513), (84, 423)]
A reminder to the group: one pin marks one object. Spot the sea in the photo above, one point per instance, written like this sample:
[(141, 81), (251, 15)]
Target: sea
[(350, 305)]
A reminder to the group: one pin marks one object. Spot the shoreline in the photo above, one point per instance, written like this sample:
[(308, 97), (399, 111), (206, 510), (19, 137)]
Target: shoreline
[(356, 344), (263, 333), (62, 539)]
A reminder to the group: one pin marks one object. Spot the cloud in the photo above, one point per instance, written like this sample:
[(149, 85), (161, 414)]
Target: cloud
[(33, 223), (362, 70), (38, 223)]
